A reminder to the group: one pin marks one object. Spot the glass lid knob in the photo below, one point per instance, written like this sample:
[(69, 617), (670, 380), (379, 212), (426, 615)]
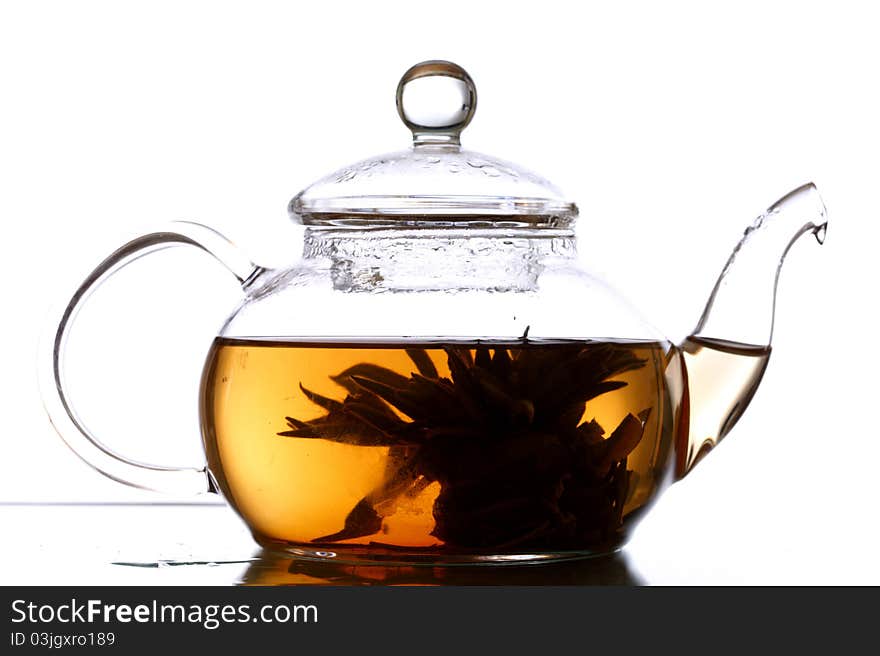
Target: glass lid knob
[(436, 100)]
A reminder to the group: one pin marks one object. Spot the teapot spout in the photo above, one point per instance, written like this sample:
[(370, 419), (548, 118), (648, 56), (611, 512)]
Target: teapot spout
[(742, 305), (727, 353)]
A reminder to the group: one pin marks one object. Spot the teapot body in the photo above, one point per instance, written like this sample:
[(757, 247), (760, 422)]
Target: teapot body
[(447, 395)]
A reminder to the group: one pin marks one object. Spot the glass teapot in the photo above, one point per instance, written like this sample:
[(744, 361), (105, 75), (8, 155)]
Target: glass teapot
[(421, 387)]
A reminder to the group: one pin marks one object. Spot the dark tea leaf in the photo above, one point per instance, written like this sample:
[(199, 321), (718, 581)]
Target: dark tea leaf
[(372, 372), (623, 440), (504, 436), (326, 403), (362, 520), (423, 362)]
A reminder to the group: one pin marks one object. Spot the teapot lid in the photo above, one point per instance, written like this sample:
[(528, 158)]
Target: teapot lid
[(435, 183)]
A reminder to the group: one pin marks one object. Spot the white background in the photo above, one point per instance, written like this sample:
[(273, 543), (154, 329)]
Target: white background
[(671, 124)]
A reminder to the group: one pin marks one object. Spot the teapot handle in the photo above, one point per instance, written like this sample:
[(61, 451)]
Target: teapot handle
[(172, 480)]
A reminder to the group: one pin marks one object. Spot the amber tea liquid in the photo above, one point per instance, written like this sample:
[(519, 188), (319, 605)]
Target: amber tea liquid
[(722, 379), (474, 478)]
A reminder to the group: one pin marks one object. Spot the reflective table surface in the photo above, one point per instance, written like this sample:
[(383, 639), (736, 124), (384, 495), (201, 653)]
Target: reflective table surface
[(199, 544)]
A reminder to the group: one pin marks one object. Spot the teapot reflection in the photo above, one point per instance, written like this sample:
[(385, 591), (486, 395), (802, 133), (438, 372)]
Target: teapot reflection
[(274, 568)]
